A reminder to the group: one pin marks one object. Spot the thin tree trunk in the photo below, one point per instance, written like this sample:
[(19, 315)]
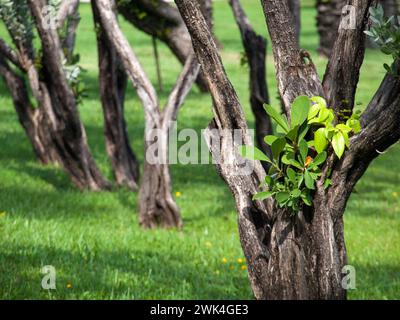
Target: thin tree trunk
[(71, 27), (113, 81), (295, 9), (156, 204), (33, 120), (160, 19), (58, 100), (256, 50)]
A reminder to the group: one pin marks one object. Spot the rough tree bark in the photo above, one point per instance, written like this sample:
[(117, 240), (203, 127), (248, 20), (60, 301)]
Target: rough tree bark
[(328, 21), (161, 20), (301, 256), (113, 81), (32, 119), (256, 50), (56, 97), (156, 204)]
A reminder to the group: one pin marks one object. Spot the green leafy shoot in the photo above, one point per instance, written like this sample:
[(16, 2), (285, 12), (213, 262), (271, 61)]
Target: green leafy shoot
[(299, 151)]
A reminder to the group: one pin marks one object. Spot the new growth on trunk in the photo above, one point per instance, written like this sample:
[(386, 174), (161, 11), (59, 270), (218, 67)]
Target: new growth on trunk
[(298, 256)]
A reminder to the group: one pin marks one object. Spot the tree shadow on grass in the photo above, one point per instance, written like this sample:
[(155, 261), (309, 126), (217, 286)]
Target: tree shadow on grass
[(121, 273)]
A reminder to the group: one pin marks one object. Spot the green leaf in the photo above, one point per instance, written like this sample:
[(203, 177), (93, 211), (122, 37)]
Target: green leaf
[(300, 108), (306, 199), (277, 147), (268, 180), (292, 134), (320, 141), (282, 197), (291, 175), (327, 183), (253, 153), (339, 144), (319, 100), (344, 128), (303, 149), (296, 193), (269, 140), (279, 119), (320, 159), (309, 181), (263, 195)]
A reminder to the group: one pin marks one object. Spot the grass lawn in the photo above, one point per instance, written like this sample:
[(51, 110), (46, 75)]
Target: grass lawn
[(93, 239)]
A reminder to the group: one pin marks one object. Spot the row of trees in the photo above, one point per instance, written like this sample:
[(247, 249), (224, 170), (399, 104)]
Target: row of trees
[(289, 256)]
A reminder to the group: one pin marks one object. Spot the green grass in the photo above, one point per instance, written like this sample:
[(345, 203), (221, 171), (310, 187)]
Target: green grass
[(93, 239)]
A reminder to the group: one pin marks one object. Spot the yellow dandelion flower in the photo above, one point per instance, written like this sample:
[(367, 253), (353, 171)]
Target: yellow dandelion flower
[(240, 260), (224, 260), (69, 286), (243, 267), (178, 194)]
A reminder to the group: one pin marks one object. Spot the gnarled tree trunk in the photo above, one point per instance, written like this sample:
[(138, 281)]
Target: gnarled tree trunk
[(156, 204), (297, 256), (33, 120), (255, 47), (113, 81), (58, 100), (159, 19)]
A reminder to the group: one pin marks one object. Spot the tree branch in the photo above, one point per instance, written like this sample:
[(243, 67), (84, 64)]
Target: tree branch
[(181, 89), (67, 8), (295, 72), (256, 50), (10, 54), (252, 216), (140, 81), (381, 130), (343, 70)]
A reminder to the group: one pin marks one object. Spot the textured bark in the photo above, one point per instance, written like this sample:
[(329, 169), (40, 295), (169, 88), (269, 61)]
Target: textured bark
[(113, 81), (57, 99), (156, 204), (256, 50), (68, 18), (159, 19), (340, 80), (328, 20), (33, 120), (295, 71), (300, 256)]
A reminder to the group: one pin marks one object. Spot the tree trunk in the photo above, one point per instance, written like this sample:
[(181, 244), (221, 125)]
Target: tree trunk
[(113, 81), (390, 7), (295, 9), (296, 256), (156, 204), (160, 19), (328, 20), (68, 19), (33, 120), (58, 100), (256, 50)]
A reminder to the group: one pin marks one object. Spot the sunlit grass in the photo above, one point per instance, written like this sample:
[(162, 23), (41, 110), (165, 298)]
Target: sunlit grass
[(93, 239)]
